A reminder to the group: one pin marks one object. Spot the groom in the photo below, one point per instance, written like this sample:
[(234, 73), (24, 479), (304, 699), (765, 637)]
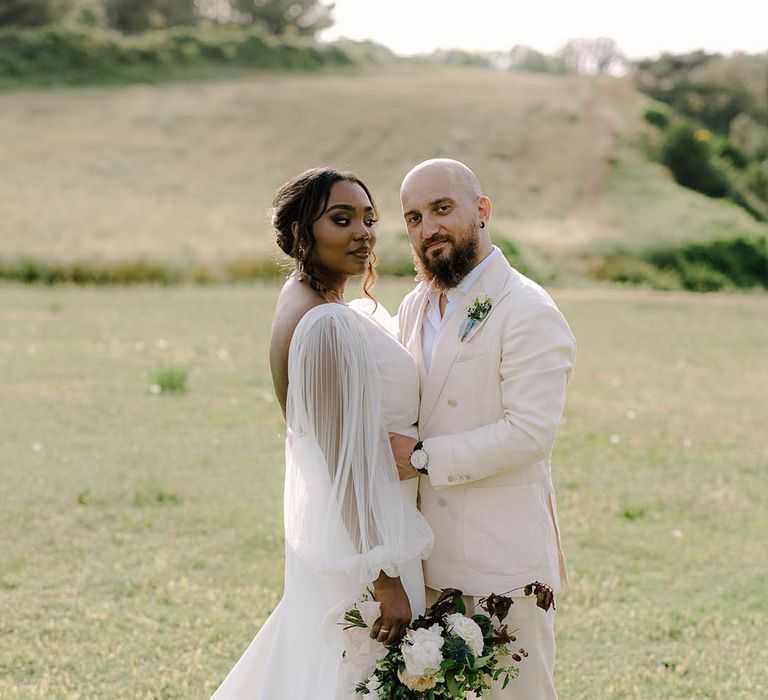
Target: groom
[(494, 356)]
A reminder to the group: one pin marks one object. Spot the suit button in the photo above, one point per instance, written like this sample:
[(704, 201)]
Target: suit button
[(442, 503), (452, 402)]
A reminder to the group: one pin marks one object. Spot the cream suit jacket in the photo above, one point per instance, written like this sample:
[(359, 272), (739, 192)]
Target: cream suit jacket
[(490, 408)]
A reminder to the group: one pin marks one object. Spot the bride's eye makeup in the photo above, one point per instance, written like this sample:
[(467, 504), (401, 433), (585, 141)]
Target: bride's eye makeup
[(346, 220)]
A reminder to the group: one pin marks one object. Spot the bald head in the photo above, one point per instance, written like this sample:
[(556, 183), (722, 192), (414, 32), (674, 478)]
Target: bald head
[(447, 217), (462, 177)]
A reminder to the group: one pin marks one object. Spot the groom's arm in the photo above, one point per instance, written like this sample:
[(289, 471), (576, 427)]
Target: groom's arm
[(538, 352)]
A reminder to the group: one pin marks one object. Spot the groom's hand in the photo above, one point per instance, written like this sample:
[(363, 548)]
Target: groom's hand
[(395, 610), (402, 446)]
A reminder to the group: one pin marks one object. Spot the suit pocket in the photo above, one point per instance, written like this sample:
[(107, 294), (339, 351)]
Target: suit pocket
[(470, 353), (505, 529)]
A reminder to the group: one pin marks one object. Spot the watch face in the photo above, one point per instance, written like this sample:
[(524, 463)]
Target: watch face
[(419, 459)]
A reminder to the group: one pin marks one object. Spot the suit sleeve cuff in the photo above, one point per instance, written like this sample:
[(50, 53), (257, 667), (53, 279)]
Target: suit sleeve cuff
[(441, 474)]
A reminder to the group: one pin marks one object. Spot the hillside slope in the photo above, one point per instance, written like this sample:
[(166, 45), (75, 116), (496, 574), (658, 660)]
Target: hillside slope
[(185, 172)]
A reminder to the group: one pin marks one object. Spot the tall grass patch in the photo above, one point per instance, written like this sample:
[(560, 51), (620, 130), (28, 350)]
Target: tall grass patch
[(169, 380)]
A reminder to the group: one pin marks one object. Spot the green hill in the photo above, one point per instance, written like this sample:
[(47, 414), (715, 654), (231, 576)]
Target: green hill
[(184, 173)]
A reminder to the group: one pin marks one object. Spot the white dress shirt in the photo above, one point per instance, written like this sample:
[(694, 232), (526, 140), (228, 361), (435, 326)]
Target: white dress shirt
[(434, 323)]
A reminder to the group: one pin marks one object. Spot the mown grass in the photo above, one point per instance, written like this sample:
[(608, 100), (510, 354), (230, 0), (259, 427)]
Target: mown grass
[(142, 535), (183, 174)]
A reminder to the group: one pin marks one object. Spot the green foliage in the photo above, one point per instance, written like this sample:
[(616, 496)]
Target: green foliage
[(750, 137), (700, 277), (133, 16), (81, 55), (700, 267), (156, 497), (757, 179), (31, 271), (689, 158), (735, 156), (656, 118), (689, 85), (26, 13), (169, 380), (460, 57), (740, 262), (366, 51), (303, 17), (526, 59), (626, 268), (717, 166), (600, 56)]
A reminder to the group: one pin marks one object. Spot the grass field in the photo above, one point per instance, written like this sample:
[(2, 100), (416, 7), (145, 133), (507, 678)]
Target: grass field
[(141, 532), (184, 173)]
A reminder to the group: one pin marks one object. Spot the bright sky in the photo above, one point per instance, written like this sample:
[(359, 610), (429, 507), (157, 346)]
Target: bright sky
[(641, 27)]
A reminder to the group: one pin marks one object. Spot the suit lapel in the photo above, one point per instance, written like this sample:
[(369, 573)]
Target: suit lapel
[(446, 351), (413, 342), (493, 283)]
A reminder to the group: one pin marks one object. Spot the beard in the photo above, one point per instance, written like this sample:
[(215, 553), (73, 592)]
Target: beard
[(446, 271)]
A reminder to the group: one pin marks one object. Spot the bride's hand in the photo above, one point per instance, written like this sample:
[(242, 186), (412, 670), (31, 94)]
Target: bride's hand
[(395, 610), (402, 446)]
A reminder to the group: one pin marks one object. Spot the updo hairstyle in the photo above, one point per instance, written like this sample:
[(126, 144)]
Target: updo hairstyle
[(303, 200)]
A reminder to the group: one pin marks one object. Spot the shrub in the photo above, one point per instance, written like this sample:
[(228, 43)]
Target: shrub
[(656, 118), (757, 180), (741, 262), (80, 55), (626, 269), (30, 271), (703, 267), (687, 153), (26, 13), (737, 158)]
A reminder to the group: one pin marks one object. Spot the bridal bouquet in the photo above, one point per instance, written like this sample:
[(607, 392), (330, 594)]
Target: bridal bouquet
[(445, 653)]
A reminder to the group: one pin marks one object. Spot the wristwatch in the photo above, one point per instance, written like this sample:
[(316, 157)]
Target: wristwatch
[(419, 458)]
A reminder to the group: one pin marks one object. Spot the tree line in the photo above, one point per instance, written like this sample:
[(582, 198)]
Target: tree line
[(297, 17)]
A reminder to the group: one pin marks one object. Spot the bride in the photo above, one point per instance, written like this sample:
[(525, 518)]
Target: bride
[(344, 383)]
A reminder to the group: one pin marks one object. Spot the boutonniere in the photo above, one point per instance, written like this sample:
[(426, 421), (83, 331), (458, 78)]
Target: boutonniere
[(479, 309)]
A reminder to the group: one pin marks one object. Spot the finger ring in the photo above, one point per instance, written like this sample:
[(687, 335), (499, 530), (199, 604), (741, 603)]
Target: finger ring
[(383, 629)]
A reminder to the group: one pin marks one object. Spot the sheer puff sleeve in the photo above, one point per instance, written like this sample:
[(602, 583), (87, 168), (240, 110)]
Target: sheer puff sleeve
[(344, 511)]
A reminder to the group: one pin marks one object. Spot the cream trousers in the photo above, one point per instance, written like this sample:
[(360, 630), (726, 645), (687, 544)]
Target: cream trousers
[(536, 634)]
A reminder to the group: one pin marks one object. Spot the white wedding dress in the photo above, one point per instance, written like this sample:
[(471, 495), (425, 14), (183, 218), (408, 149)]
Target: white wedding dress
[(347, 516)]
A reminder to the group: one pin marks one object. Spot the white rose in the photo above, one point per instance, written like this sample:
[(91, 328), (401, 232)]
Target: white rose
[(421, 651), (419, 683), (466, 628)]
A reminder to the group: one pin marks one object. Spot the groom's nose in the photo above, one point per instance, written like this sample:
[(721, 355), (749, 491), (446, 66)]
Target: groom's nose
[(429, 226)]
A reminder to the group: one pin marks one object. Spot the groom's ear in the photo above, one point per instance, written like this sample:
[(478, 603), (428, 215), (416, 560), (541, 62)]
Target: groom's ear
[(484, 208)]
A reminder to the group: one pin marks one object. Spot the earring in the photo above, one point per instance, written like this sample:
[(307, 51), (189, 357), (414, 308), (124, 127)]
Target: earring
[(482, 224)]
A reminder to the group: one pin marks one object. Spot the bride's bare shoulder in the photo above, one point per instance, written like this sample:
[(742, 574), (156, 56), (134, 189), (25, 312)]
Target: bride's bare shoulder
[(295, 300)]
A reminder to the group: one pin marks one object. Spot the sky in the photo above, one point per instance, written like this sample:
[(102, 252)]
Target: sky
[(641, 28)]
